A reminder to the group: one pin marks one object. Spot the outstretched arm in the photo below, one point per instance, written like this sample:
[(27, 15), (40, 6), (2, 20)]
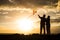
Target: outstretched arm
[(39, 16)]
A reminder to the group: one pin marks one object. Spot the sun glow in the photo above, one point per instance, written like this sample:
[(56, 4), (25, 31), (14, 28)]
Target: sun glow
[(25, 24)]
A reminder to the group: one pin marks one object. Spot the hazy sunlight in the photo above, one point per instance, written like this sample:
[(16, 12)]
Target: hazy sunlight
[(25, 24)]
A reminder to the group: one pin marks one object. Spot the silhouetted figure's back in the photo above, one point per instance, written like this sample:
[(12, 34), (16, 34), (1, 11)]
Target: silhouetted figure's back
[(48, 24), (42, 23)]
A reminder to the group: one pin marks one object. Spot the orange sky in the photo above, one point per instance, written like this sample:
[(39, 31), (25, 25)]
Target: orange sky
[(13, 11), (8, 20)]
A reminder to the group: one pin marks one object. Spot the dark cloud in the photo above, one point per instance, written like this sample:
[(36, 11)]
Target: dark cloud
[(4, 2), (29, 3)]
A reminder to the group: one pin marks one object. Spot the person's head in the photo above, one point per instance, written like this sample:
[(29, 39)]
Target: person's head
[(48, 17), (44, 15)]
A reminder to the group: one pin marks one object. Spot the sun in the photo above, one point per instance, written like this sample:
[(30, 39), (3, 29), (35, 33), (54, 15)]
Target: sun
[(25, 24)]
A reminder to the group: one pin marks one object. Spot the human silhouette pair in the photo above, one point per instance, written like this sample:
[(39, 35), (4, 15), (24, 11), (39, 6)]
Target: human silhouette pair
[(45, 22)]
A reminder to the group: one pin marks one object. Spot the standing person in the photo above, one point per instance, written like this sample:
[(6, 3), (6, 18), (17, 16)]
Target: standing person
[(42, 23), (48, 24)]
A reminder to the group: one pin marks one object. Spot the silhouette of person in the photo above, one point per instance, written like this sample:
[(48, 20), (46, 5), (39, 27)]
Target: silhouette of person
[(42, 23), (48, 24)]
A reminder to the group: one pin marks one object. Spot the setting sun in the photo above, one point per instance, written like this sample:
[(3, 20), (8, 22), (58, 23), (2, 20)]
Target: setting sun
[(25, 24)]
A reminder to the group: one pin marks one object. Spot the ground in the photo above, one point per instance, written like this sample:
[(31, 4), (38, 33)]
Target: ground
[(29, 37)]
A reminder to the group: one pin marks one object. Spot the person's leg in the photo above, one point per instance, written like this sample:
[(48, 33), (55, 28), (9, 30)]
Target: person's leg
[(44, 29), (40, 29), (49, 30)]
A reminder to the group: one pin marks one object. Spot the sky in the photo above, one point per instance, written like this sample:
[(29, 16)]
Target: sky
[(29, 3), (13, 11)]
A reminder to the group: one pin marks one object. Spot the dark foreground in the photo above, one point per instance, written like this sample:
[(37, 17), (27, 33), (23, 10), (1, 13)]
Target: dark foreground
[(29, 37)]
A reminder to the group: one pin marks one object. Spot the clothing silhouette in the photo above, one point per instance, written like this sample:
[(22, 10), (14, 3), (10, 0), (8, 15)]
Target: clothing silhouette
[(42, 23), (48, 24)]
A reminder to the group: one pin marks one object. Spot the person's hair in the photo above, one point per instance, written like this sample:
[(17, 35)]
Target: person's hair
[(48, 16), (44, 15)]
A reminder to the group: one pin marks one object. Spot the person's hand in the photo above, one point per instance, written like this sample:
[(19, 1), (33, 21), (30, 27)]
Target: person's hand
[(38, 15)]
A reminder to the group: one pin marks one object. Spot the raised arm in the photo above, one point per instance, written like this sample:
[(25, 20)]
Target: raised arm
[(39, 16)]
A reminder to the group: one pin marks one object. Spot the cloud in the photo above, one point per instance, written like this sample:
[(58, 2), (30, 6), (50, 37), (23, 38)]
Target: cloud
[(29, 3), (55, 20)]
